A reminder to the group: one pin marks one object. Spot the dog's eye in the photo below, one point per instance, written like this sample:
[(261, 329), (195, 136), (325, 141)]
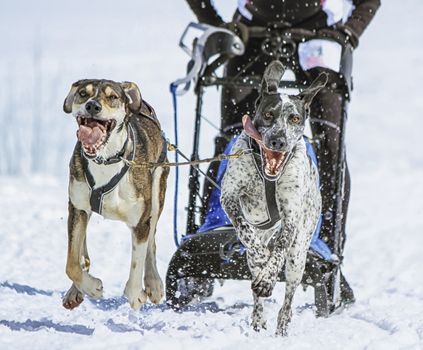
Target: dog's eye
[(295, 119), (268, 115), (83, 93)]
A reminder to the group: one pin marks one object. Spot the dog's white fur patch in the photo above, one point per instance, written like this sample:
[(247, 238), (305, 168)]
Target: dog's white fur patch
[(134, 289), (119, 204), (143, 258), (153, 282)]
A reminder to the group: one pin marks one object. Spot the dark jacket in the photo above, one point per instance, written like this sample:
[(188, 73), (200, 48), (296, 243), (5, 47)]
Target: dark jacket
[(296, 13)]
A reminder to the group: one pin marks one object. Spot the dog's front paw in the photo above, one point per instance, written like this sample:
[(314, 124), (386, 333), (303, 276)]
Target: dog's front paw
[(284, 318), (263, 285), (136, 295), (73, 298), (258, 322), (91, 286), (281, 331), (154, 289)]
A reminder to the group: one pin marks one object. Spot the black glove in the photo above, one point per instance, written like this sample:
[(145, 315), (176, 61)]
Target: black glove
[(341, 34), (350, 35), (239, 29)]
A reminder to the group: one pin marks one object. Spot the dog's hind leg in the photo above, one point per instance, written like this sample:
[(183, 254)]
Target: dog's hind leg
[(134, 289), (153, 283), (77, 228), (74, 297), (294, 269), (285, 313), (258, 320)]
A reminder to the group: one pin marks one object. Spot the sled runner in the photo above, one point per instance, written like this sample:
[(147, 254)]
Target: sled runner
[(209, 248)]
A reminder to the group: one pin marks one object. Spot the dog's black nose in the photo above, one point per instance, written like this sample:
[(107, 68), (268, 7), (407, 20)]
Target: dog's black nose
[(277, 144), (93, 107)]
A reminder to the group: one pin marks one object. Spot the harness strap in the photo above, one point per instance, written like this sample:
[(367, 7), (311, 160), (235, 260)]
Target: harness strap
[(272, 206), (269, 191), (97, 194)]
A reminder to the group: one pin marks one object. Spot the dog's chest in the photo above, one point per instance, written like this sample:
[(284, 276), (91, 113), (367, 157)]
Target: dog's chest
[(121, 203), (254, 203), (287, 193)]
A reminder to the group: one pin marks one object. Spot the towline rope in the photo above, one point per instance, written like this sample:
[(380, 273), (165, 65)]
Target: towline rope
[(171, 147)]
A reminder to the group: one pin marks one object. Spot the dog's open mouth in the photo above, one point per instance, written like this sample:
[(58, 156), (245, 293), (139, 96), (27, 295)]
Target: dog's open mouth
[(273, 161), (94, 133)]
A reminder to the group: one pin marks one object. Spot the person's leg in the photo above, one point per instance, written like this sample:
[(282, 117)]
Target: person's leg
[(326, 114), (235, 102)]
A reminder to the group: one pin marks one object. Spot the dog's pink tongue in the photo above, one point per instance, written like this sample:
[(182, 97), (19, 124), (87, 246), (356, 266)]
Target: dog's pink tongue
[(250, 128), (89, 136)]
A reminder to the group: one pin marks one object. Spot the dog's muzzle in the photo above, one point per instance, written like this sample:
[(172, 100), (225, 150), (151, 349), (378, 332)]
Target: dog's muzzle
[(273, 161)]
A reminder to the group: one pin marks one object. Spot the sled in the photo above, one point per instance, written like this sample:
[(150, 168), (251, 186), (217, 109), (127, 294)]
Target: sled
[(208, 251)]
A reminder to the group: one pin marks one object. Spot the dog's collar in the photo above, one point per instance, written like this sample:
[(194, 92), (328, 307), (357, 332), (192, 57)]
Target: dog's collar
[(97, 194)]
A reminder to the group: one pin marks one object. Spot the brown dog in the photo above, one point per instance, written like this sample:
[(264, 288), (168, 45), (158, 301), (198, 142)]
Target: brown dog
[(114, 124)]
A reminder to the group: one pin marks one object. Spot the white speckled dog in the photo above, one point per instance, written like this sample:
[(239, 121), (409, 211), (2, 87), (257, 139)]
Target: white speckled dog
[(272, 196)]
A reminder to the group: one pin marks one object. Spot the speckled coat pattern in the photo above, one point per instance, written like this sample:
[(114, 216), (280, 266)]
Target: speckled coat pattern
[(299, 204)]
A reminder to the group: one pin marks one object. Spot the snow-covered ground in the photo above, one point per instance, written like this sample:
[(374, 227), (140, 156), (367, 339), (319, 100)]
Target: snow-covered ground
[(46, 45)]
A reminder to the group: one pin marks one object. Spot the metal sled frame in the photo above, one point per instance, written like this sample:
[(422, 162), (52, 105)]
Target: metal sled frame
[(218, 254)]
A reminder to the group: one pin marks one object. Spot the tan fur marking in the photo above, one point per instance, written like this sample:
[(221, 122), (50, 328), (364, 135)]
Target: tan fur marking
[(108, 91), (90, 89)]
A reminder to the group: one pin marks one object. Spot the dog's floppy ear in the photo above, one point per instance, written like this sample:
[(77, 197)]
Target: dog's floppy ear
[(308, 94), (272, 77), (133, 95), (67, 105)]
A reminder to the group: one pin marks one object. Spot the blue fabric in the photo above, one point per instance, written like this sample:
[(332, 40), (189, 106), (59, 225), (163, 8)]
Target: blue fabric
[(173, 89), (216, 216)]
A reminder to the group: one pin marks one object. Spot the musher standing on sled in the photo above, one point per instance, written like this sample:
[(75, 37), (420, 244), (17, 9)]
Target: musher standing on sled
[(342, 21)]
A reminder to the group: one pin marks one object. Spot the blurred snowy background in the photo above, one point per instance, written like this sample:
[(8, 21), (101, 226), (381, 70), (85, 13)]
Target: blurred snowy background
[(46, 45)]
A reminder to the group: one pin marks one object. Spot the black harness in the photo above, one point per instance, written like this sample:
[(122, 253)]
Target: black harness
[(269, 190), (274, 218), (97, 194)]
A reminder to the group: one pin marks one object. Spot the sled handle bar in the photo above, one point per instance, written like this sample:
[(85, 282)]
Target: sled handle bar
[(296, 34), (211, 41)]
